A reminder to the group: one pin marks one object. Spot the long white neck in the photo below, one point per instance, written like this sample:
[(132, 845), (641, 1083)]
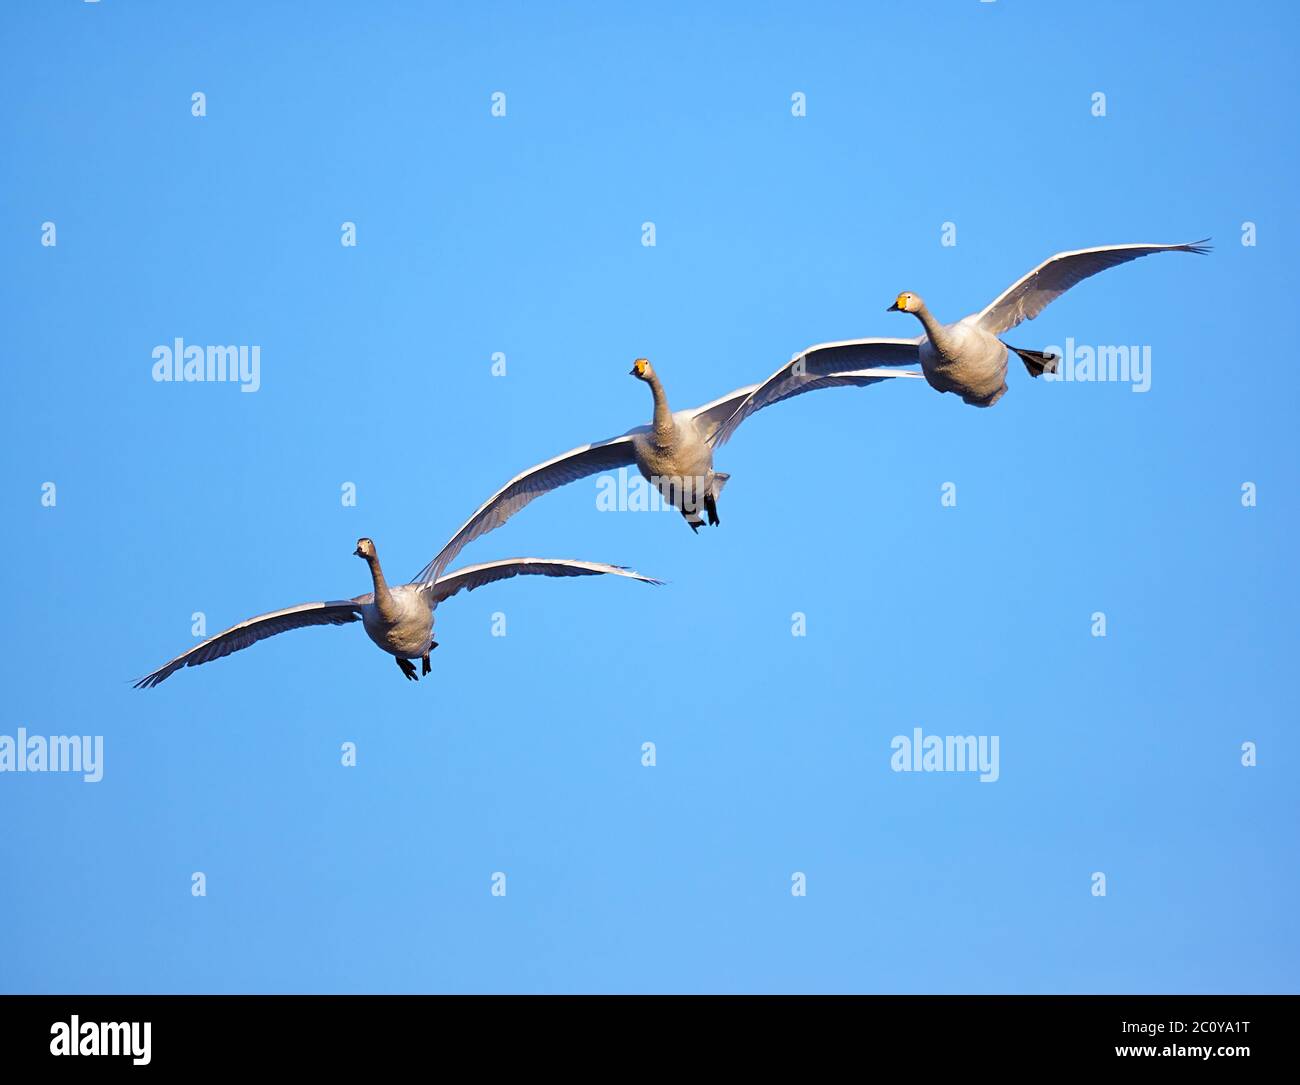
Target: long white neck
[(663, 420), (937, 333), (384, 602)]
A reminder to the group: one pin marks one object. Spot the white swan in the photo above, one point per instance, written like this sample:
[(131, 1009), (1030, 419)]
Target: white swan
[(398, 619), (968, 359), (675, 452)]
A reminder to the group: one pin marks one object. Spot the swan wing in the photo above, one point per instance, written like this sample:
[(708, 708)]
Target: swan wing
[(526, 487), (1031, 294), (475, 576), (851, 363), (239, 637)]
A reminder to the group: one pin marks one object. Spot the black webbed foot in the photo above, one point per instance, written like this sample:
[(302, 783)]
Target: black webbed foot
[(408, 669)]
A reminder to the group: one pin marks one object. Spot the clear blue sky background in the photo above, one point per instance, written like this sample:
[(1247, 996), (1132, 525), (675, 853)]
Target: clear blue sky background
[(522, 754)]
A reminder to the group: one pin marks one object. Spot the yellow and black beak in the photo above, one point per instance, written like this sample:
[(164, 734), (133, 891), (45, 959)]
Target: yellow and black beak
[(634, 372), (894, 308), (357, 553)]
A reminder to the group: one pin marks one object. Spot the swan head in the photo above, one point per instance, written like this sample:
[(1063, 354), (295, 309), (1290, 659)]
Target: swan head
[(641, 369), (906, 302), (365, 549)]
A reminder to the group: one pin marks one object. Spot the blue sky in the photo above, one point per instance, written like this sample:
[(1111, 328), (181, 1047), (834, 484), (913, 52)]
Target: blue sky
[(522, 754)]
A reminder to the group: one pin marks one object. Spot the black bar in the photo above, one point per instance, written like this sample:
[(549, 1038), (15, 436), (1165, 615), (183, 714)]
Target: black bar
[(336, 1033)]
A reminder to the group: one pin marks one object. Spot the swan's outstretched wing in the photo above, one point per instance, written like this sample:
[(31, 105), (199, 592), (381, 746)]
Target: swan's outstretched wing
[(475, 576), (237, 637), (1029, 296), (827, 365), (519, 491)]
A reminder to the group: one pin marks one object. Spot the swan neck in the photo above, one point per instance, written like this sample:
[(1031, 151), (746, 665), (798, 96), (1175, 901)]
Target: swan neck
[(936, 332), (663, 420), (383, 597)]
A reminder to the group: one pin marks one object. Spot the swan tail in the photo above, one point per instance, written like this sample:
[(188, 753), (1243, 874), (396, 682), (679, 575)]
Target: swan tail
[(1036, 361)]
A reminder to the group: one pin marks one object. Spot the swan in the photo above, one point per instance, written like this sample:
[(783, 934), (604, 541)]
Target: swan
[(398, 619), (968, 359), (675, 451)]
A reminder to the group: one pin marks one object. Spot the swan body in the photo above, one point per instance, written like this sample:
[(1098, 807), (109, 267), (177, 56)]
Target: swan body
[(964, 359), (683, 452), (681, 468), (406, 631)]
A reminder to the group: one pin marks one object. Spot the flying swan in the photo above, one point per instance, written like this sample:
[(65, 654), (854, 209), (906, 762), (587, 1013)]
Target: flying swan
[(398, 619), (969, 359), (675, 452)]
